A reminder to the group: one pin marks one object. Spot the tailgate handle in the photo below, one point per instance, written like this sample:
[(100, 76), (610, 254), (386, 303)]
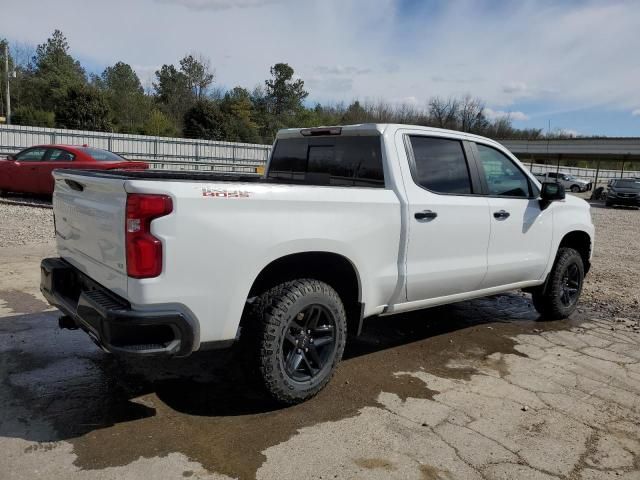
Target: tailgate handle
[(77, 186)]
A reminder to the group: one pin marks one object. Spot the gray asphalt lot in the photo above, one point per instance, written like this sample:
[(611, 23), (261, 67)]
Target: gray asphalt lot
[(481, 389)]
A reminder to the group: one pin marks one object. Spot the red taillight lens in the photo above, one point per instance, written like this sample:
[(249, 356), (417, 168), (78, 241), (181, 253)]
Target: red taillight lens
[(144, 251)]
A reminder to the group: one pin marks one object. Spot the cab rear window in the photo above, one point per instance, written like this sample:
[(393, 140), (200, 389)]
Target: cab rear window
[(332, 160)]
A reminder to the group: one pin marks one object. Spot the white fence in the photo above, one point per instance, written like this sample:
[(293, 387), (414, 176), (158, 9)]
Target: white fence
[(160, 152), (586, 173)]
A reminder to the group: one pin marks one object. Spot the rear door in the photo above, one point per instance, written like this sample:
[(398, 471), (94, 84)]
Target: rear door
[(448, 225), (521, 231), (89, 221)]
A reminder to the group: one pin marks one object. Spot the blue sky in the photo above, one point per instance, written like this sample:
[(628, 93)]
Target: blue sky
[(573, 63)]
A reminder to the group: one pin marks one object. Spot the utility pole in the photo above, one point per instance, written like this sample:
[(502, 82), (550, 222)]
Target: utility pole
[(6, 69)]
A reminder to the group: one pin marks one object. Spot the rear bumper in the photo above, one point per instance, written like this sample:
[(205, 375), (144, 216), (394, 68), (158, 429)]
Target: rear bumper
[(109, 320)]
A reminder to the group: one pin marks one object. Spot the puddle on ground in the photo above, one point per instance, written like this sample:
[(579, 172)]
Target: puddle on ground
[(22, 302), (114, 411)]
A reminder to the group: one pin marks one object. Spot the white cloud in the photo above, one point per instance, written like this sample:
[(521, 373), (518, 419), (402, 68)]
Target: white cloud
[(568, 132), (636, 112), (495, 114), (220, 4), (541, 51), (515, 88)]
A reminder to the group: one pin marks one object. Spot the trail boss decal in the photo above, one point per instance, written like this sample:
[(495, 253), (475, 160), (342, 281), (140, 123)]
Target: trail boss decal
[(223, 193)]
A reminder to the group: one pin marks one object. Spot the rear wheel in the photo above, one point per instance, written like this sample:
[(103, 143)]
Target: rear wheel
[(559, 298), (296, 334)]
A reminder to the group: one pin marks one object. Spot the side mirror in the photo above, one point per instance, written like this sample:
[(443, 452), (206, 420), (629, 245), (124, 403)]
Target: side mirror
[(551, 192), (10, 157)]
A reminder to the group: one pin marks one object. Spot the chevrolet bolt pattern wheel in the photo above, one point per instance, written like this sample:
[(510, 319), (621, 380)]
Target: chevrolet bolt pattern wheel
[(296, 334)]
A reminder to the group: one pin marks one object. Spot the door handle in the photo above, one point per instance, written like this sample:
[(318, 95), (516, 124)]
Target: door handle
[(77, 186), (501, 214), (425, 215)]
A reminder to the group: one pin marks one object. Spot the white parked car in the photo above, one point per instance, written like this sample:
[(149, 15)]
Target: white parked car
[(347, 223), (569, 182)]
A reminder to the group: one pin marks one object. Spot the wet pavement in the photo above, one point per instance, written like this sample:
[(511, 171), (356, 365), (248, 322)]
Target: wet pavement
[(481, 389)]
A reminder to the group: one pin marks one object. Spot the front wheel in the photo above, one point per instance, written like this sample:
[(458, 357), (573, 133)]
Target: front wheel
[(575, 188), (559, 297), (296, 333)]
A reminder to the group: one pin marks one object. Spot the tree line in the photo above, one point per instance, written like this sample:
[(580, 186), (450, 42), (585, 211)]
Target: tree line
[(52, 89)]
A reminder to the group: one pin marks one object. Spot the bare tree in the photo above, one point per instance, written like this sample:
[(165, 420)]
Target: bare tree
[(471, 114), (444, 113)]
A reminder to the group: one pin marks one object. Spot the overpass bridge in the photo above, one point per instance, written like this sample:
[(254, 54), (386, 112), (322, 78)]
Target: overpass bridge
[(609, 154)]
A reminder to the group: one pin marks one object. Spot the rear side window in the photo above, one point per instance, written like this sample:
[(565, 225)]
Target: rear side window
[(103, 155), (58, 155), (440, 165), (332, 160)]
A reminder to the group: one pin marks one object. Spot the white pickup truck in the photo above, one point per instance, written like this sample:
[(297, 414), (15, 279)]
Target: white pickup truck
[(347, 223)]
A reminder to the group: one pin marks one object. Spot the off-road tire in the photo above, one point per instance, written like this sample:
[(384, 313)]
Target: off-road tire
[(267, 321), (547, 299)]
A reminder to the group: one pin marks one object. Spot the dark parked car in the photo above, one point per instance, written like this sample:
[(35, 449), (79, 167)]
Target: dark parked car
[(624, 191), (29, 171)]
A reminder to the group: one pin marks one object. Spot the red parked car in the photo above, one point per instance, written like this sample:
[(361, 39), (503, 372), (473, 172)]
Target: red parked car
[(29, 171)]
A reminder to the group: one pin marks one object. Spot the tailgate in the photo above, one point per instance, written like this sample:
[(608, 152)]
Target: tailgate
[(89, 216)]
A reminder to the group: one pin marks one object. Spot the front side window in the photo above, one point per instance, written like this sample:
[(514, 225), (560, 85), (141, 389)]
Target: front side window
[(31, 155), (331, 160), (503, 177), (440, 165)]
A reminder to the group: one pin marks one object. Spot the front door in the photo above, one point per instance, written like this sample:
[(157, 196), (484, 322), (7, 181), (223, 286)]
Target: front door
[(521, 231), (448, 225), (25, 173)]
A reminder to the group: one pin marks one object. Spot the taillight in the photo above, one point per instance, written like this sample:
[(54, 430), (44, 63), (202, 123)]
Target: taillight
[(144, 251)]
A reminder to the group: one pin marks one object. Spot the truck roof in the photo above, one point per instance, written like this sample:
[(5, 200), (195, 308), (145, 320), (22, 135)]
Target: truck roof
[(380, 129)]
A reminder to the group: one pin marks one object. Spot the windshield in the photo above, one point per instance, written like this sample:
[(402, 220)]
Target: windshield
[(635, 184), (103, 155)]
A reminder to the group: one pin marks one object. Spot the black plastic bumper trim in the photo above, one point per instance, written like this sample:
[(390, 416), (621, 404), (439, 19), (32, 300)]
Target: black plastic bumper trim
[(105, 316)]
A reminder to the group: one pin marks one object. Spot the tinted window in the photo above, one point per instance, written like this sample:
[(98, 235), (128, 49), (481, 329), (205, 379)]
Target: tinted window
[(31, 155), (331, 160), (103, 155), (504, 178), (627, 184), (57, 155), (440, 165)]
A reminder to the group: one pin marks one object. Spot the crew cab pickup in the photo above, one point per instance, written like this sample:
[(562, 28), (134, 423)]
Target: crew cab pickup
[(569, 182), (347, 223)]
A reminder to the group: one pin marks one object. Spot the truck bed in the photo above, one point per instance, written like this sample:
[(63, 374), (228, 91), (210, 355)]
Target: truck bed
[(160, 175)]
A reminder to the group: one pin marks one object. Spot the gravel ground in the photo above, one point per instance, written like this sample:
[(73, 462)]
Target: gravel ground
[(613, 284), (25, 225)]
